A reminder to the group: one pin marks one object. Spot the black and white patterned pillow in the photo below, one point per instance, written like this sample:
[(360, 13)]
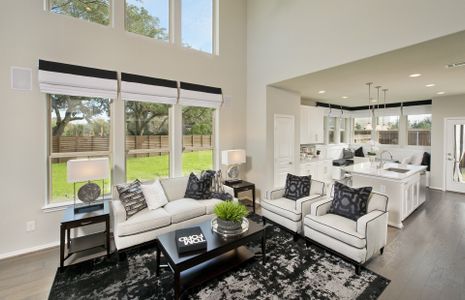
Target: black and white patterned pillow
[(199, 188), (297, 186), (131, 197), (349, 202)]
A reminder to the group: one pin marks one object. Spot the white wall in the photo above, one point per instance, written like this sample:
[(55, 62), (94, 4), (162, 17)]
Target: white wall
[(443, 107), (282, 102), (295, 37), (28, 33)]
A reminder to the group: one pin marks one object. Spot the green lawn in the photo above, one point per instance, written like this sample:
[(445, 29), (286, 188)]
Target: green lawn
[(142, 168)]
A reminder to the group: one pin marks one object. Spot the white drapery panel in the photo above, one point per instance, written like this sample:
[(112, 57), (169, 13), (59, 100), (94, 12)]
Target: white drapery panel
[(148, 89), (72, 80), (200, 95)]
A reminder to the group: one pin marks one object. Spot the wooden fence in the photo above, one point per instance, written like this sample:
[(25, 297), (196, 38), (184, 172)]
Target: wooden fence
[(137, 146)]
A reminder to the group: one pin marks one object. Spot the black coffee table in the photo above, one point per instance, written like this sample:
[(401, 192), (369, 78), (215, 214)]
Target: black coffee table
[(222, 255)]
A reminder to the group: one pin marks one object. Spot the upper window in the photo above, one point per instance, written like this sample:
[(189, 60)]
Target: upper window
[(342, 130), (79, 128), (198, 141), (197, 24), (419, 130), (362, 130), (147, 141), (97, 11), (149, 18)]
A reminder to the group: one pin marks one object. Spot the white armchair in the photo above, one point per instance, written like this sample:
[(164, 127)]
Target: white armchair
[(357, 240), (289, 213)]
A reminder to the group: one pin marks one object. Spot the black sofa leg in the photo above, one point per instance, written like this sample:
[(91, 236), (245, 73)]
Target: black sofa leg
[(121, 256), (263, 221), (308, 243), (296, 237), (381, 250), (358, 269)]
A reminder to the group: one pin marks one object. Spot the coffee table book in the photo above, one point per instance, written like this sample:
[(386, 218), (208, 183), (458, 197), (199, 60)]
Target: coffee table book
[(190, 239)]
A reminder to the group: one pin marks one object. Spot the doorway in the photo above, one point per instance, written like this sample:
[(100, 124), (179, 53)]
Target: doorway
[(284, 156), (455, 154)]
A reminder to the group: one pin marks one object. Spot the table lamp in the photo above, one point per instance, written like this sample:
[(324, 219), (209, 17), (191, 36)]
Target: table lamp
[(232, 159), (80, 170)]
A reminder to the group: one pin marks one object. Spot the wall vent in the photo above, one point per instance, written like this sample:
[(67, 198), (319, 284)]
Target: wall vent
[(456, 65)]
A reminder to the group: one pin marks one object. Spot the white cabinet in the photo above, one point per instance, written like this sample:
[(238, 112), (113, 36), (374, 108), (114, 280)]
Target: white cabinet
[(311, 125), (319, 169)]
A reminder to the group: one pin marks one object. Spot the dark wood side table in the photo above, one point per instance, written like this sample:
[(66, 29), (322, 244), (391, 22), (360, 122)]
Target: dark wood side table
[(74, 220), (243, 186)]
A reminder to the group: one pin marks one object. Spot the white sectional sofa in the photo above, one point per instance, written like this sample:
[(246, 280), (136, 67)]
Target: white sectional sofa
[(147, 224)]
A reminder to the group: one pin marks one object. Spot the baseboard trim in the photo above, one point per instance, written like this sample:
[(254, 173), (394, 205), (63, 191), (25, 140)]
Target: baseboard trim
[(436, 188), (28, 250)]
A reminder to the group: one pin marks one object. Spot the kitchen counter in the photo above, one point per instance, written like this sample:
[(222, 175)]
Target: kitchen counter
[(406, 190), (366, 168)]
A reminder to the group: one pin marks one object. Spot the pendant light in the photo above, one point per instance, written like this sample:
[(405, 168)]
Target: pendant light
[(369, 126), (378, 126)]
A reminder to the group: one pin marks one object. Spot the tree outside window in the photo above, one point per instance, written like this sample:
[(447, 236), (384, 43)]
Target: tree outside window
[(97, 11)]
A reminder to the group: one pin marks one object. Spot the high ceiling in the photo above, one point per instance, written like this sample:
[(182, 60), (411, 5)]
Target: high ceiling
[(390, 70)]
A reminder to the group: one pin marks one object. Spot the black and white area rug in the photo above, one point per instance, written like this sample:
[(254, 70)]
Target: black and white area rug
[(291, 272)]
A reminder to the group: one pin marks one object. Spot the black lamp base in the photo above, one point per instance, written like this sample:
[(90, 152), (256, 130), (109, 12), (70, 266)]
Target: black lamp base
[(88, 208)]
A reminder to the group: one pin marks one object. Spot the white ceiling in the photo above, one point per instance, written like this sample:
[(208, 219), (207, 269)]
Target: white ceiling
[(390, 70)]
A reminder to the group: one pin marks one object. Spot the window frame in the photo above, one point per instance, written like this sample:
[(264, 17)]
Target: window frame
[(353, 129), (50, 155), (407, 128), (111, 14), (399, 129)]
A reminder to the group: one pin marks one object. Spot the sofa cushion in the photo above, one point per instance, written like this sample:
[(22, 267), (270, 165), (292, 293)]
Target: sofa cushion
[(199, 188), (209, 204), (337, 227), (283, 207), (349, 202), (131, 197), (154, 195), (143, 221), (184, 209), (297, 186), (174, 187)]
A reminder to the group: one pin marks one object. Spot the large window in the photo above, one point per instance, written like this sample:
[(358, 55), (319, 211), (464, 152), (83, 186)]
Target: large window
[(419, 130), (79, 128), (197, 24), (147, 141), (148, 17), (97, 11), (198, 139), (362, 130), (388, 130), (342, 130)]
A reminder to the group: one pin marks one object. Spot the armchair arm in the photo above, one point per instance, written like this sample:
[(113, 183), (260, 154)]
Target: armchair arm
[(373, 226), (118, 213), (275, 194), (317, 187), (321, 207)]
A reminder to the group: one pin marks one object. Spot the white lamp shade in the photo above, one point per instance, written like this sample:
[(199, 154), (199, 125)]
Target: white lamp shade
[(233, 157), (87, 169)]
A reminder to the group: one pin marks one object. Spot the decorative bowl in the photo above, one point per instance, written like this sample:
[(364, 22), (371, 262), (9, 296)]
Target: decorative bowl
[(231, 229)]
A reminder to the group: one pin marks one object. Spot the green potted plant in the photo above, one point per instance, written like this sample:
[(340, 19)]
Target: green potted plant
[(230, 215)]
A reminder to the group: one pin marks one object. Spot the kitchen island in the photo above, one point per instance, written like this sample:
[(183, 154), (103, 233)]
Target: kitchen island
[(404, 184)]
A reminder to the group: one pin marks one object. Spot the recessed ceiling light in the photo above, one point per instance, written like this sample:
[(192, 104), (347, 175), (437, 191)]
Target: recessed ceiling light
[(440, 93), (415, 75), (430, 85), (344, 97), (321, 92)]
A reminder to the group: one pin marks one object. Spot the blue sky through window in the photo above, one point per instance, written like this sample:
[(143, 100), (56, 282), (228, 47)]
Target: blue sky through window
[(157, 8), (197, 24)]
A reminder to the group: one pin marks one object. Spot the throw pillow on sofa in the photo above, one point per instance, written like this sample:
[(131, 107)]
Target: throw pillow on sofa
[(199, 188), (154, 195), (132, 197), (349, 202), (297, 187)]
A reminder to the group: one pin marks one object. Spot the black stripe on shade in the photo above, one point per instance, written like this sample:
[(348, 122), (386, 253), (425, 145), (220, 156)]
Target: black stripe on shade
[(200, 88), (149, 80), (76, 70), (388, 105)]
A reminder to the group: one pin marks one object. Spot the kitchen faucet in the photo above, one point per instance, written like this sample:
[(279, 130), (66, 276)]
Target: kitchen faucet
[(382, 161)]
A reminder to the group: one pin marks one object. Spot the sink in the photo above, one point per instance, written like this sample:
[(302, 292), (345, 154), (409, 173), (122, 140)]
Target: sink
[(397, 170)]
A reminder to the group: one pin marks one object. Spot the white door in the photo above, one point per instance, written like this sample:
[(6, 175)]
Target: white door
[(454, 140), (283, 148)]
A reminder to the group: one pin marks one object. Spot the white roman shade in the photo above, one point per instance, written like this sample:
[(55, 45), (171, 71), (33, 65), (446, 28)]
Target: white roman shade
[(148, 89), (72, 80), (364, 113), (388, 111), (336, 112), (200, 95), (417, 110)]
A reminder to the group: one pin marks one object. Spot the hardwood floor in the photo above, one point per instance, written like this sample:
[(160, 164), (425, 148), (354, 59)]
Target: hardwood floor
[(425, 260)]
